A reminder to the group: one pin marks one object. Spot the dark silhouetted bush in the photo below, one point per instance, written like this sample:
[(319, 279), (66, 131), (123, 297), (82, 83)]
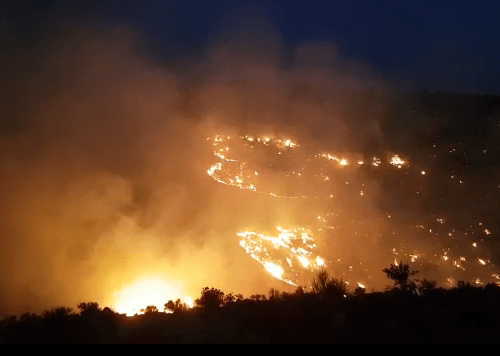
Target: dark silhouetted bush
[(211, 298), (400, 274)]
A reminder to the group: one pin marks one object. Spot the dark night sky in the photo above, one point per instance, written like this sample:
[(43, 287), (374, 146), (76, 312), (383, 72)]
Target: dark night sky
[(435, 45)]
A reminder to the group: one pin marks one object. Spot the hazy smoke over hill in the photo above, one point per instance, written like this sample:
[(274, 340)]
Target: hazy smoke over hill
[(104, 159)]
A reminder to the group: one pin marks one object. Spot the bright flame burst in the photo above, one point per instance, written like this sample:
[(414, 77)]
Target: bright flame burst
[(144, 292), (397, 161), (289, 250)]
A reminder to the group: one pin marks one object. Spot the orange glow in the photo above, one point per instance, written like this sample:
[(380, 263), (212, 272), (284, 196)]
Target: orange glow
[(144, 292), (274, 269), (189, 302), (286, 246), (131, 184)]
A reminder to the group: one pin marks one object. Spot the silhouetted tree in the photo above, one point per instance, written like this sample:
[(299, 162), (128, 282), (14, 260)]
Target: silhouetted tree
[(88, 306), (169, 306), (300, 291), (258, 297), (57, 313), (337, 287), (180, 306), (87, 309), (211, 298), (274, 294), (29, 317), (400, 274), (359, 291), (424, 286), (176, 307), (60, 325), (229, 298), (319, 283), (463, 284), (150, 309), (325, 286), (285, 296)]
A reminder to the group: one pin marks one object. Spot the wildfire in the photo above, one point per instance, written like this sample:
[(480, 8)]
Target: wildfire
[(235, 172), (274, 252), (397, 161), (298, 173), (144, 292), (274, 269)]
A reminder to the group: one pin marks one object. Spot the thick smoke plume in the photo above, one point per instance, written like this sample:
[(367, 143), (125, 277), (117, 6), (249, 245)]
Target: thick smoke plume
[(104, 155)]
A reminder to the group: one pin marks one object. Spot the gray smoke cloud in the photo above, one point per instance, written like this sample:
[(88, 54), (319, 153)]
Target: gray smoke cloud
[(104, 156)]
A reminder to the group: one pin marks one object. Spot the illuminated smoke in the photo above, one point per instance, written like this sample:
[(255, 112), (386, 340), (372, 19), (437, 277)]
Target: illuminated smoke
[(108, 177)]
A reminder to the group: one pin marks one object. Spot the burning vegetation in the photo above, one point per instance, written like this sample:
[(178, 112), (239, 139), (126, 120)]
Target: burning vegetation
[(283, 169)]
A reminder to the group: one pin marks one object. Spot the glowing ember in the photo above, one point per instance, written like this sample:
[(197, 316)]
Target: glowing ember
[(397, 161), (376, 162), (320, 262)]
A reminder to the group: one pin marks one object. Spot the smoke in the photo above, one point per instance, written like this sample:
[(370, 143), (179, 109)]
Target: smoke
[(104, 154)]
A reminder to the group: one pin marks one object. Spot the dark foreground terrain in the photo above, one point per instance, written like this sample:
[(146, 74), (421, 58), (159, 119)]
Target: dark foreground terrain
[(465, 314)]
